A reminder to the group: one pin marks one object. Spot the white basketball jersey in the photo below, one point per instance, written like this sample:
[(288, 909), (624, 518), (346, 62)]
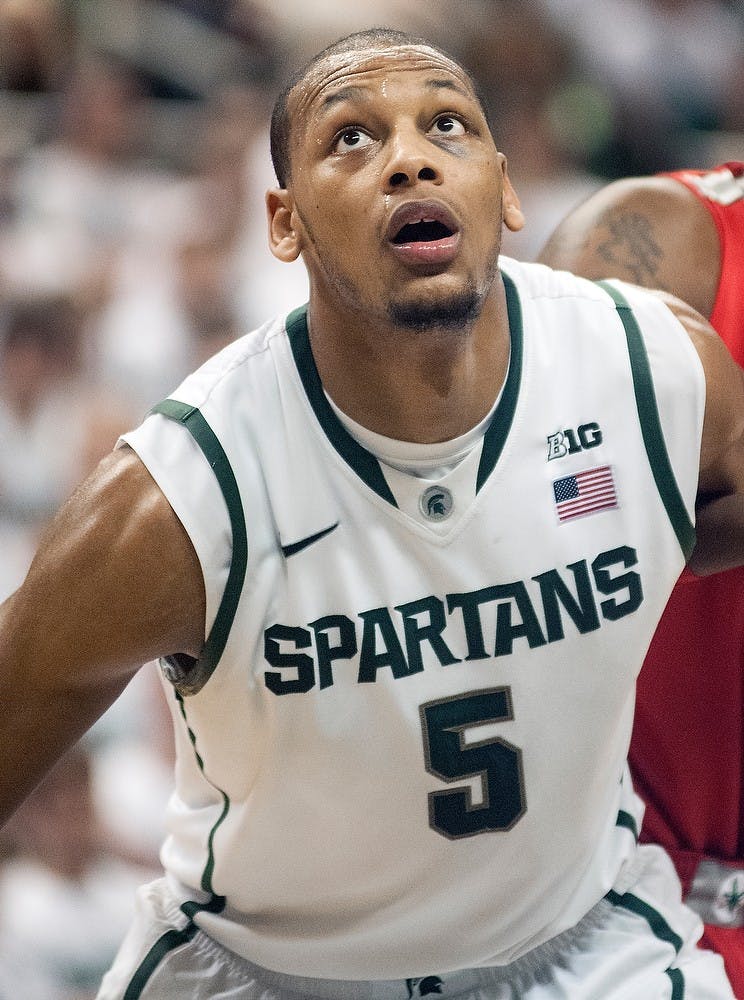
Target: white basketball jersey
[(402, 750)]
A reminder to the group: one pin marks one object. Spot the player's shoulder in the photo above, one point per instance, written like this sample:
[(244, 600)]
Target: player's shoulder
[(538, 281), (244, 349), (585, 301), (722, 185), (652, 197), (244, 360), (651, 230)]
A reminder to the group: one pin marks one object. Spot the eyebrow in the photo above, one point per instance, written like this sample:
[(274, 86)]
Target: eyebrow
[(345, 94), (356, 93), (441, 83)]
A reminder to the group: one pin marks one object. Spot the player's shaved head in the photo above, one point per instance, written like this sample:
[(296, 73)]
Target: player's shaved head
[(358, 41)]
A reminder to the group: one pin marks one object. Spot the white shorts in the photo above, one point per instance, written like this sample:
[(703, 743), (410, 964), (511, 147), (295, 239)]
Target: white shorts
[(639, 943)]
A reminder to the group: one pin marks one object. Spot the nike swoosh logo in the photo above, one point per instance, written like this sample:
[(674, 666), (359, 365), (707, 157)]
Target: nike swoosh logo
[(295, 547)]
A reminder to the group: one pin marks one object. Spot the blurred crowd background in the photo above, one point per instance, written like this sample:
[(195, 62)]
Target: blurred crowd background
[(133, 162)]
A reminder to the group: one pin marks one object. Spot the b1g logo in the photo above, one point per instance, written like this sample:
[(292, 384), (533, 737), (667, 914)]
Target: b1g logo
[(570, 441)]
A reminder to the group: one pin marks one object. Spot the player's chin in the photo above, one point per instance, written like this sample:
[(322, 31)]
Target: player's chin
[(440, 309)]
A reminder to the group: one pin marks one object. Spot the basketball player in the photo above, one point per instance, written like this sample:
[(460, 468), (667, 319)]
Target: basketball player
[(401, 553), (684, 232)]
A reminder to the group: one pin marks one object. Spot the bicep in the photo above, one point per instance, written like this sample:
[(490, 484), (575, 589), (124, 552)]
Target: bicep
[(722, 453), (649, 231), (720, 505), (115, 582), (608, 235), (722, 444)]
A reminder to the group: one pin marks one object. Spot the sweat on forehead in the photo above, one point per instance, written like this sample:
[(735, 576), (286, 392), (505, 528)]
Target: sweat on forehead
[(340, 66), (334, 62)]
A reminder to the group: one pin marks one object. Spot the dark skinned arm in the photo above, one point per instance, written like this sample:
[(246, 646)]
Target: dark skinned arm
[(719, 523), (114, 584), (651, 231), (720, 498)]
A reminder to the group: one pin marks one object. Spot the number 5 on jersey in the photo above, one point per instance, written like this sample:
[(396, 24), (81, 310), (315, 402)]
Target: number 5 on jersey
[(450, 758)]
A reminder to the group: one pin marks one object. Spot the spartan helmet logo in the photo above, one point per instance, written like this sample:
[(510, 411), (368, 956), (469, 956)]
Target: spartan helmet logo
[(728, 906), (425, 987), (436, 503)]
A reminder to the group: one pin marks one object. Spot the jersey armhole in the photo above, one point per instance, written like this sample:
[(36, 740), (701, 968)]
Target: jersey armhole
[(188, 675), (648, 414)]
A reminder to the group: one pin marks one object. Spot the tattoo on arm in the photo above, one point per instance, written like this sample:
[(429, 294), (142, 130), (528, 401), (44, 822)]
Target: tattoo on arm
[(630, 242)]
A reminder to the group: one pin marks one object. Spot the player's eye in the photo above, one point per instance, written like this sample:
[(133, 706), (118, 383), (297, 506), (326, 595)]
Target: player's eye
[(351, 138), (448, 125)]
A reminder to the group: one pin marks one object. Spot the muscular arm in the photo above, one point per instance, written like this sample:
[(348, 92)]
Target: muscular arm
[(115, 583), (720, 500), (651, 231)]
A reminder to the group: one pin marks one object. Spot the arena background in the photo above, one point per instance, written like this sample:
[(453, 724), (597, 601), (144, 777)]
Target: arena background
[(133, 161)]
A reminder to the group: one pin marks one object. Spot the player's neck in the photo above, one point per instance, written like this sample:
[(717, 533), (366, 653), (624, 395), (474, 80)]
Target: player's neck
[(420, 386)]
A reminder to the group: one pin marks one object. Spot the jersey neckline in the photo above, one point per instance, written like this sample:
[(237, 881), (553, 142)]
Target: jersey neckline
[(363, 462)]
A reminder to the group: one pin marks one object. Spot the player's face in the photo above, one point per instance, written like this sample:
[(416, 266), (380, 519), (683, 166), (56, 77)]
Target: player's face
[(395, 199)]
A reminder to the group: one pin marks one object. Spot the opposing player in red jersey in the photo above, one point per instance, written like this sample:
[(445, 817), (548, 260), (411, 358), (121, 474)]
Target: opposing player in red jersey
[(684, 232)]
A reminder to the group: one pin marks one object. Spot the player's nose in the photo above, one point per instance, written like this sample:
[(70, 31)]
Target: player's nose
[(412, 158)]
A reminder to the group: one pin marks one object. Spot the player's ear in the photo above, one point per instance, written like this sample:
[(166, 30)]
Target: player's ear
[(511, 209), (284, 239)]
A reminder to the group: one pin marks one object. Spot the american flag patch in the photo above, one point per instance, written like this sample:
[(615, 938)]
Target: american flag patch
[(584, 493)]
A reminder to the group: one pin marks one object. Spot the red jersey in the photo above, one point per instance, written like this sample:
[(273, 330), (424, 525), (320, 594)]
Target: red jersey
[(687, 753)]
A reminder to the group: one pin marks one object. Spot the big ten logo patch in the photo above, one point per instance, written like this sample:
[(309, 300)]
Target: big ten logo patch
[(570, 441)]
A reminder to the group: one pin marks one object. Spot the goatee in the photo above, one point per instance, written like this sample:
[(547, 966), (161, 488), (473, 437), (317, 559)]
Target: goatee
[(458, 311)]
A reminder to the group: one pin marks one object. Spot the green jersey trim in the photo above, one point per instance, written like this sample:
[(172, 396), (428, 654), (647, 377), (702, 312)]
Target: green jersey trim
[(653, 436), (165, 944), (498, 430), (678, 984), (626, 820), (660, 929), (206, 879), (186, 674), (654, 919), (215, 904), (363, 462)]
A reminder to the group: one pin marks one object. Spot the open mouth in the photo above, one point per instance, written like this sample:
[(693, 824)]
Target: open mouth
[(425, 231), (424, 235)]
